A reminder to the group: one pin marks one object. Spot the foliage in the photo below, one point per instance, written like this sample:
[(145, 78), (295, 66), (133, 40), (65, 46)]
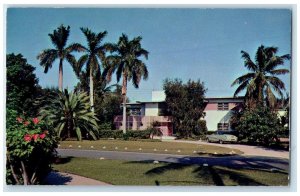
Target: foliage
[(70, 114), (30, 149), (261, 80), (127, 64), (185, 102), (21, 86), (59, 39), (155, 130), (259, 125), (118, 134), (107, 104), (92, 59), (110, 134)]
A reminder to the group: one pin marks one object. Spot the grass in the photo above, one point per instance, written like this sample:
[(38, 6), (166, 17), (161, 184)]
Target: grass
[(118, 172), (149, 147)]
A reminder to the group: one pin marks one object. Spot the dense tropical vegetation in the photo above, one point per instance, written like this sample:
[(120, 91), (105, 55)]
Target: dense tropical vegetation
[(258, 121), (21, 85), (185, 103), (70, 115), (30, 147)]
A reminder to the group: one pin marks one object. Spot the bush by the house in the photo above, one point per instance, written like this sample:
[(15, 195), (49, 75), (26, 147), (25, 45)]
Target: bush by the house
[(259, 125), (129, 135), (30, 149)]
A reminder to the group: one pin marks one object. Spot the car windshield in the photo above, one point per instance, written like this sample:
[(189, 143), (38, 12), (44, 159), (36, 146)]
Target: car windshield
[(221, 132)]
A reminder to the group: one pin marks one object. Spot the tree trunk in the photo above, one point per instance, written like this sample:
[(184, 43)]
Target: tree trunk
[(124, 89), (24, 174), (91, 89), (260, 95), (60, 73)]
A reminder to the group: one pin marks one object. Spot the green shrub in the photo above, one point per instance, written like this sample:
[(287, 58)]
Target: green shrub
[(259, 125), (104, 126), (30, 149), (118, 134), (110, 134)]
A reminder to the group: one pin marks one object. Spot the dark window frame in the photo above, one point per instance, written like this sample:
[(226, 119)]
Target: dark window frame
[(223, 106)]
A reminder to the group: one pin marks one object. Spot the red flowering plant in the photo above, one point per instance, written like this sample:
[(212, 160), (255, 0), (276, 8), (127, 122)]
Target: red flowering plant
[(30, 149)]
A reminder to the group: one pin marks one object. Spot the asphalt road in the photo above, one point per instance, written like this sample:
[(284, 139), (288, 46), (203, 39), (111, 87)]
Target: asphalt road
[(252, 162)]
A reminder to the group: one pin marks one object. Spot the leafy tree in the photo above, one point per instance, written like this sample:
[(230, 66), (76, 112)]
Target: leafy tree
[(262, 77), (94, 55), (127, 65), (21, 85), (259, 125), (30, 148), (59, 39), (69, 114), (108, 106), (185, 102)]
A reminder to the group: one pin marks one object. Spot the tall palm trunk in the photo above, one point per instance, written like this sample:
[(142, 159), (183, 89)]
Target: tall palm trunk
[(260, 95), (124, 89), (91, 89), (60, 73)]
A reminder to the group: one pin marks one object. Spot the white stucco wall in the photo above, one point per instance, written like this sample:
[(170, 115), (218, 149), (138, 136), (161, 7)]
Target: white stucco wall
[(213, 117), (151, 109)]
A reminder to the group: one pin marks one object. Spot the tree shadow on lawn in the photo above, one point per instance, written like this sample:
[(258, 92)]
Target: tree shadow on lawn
[(216, 175), (62, 160), (242, 162), (55, 178), (210, 175)]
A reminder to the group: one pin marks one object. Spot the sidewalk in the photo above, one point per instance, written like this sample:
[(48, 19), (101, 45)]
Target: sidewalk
[(59, 178), (248, 150)]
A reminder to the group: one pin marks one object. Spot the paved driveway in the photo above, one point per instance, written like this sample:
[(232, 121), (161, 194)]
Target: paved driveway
[(248, 150)]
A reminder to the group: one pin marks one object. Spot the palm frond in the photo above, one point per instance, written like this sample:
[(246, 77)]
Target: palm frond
[(279, 71), (47, 57), (76, 47), (243, 78), (248, 63), (242, 87)]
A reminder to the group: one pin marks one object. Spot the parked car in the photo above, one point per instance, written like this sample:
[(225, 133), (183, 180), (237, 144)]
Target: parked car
[(221, 137)]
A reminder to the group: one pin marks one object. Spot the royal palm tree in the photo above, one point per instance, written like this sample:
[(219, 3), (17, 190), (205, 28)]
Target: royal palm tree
[(127, 65), (59, 39), (262, 79), (93, 57), (69, 114)]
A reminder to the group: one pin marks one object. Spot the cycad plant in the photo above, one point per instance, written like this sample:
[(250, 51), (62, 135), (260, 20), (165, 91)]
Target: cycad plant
[(70, 114)]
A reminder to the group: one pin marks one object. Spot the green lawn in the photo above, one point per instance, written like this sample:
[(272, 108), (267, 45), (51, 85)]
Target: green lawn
[(118, 172), (149, 147)]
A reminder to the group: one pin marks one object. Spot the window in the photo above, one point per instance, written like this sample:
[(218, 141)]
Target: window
[(223, 106), (223, 126)]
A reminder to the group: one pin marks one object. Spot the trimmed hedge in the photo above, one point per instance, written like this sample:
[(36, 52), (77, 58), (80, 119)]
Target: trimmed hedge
[(130, 134)]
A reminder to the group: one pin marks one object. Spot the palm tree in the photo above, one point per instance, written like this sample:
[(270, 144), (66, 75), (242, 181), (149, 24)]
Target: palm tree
[(94, 55), (127, 65), (69, 113), (261, 81), (47, 57)]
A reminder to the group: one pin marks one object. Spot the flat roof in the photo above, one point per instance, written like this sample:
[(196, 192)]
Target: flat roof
[(207, 99)]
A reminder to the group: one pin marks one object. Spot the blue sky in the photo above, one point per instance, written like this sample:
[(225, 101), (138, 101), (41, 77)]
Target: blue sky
[(200, 44)]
